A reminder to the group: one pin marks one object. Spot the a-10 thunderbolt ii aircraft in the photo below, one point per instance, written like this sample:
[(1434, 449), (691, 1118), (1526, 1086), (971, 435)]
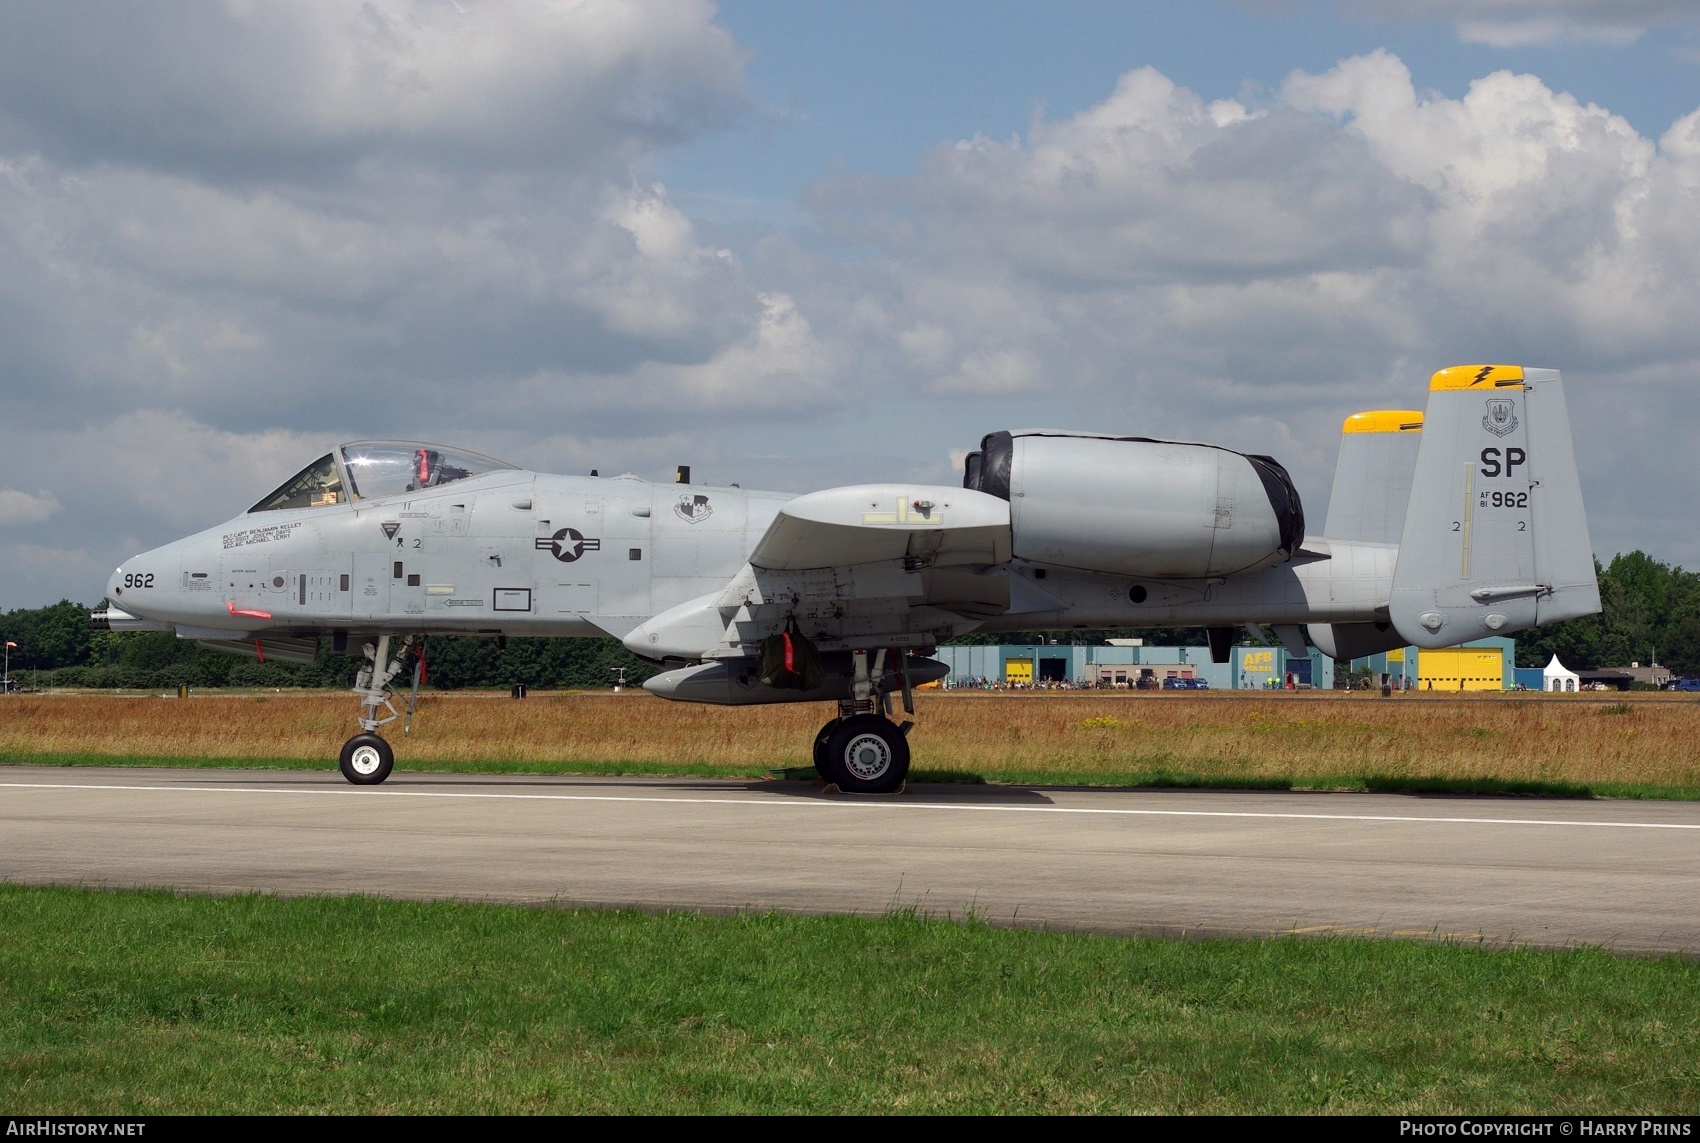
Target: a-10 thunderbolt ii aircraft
[(1442, 528)]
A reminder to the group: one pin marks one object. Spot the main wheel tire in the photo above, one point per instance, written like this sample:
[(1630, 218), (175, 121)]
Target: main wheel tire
[(367, 760), (866, 754), (821, 740)]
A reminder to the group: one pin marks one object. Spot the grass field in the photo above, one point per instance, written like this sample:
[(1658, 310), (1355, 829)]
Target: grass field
[(131, 1003), (1641, 746)]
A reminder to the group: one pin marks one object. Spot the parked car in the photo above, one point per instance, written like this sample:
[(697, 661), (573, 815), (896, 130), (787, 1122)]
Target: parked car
[(1175, 683), (1683, 685)]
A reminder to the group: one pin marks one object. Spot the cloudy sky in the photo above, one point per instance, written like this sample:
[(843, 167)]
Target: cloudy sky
[(804, 244)]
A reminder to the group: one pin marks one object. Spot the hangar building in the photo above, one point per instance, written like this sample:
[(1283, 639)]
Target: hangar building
[(1483, 665), (1049, 665)]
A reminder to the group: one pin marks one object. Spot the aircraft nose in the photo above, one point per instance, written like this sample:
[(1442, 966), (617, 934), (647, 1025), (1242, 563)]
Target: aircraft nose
[(142, 578)]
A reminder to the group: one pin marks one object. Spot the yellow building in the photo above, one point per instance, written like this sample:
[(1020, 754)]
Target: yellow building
[(1461, 669)]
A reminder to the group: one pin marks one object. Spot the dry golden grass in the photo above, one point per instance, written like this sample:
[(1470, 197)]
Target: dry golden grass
[(1646, 740)]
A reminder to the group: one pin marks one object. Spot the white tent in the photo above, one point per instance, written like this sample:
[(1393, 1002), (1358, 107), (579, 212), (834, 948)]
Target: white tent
[(1555, 676)]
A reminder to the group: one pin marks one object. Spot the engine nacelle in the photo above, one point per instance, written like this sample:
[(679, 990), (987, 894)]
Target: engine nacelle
[(1139, 507)]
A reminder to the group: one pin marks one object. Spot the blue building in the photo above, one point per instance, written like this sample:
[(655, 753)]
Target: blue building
[(1484, 664), (1042, 665)]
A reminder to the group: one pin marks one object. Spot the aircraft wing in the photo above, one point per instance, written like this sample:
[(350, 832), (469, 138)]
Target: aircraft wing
[(922, 525), (873, 565)]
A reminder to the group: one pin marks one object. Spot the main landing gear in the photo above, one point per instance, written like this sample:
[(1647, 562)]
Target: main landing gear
[(366, 758), (862, 751)]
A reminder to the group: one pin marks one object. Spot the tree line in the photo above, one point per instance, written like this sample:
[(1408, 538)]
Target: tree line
[(1650, 612)]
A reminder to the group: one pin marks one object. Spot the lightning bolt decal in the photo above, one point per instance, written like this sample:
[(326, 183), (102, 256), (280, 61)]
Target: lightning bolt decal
[(1482, 376)]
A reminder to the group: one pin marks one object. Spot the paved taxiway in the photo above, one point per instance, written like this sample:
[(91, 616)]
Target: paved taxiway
[(1549, 872)]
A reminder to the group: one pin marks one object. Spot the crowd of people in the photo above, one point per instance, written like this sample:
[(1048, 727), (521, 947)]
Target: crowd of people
[(982, 683)]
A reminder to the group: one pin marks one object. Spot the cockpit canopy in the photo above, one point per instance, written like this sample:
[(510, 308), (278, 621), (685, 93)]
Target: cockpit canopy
[(368, 470)]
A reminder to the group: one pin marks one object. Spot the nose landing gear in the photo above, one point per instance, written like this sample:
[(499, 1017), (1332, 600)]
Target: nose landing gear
[(366, 758)]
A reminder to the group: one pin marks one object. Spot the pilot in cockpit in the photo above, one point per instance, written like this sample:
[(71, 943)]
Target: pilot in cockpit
[(430, 470), (374, 469)]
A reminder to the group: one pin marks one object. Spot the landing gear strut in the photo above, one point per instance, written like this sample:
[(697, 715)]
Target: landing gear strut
[(366, 758), (862, 751)]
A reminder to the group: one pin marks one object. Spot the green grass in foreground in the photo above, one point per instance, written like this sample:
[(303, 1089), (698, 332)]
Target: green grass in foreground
[(128, 1003), (1133, 776)]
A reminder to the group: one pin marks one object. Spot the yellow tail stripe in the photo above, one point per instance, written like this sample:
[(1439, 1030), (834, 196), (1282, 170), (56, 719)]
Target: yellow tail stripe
[(1481, 377), (1384, 421)]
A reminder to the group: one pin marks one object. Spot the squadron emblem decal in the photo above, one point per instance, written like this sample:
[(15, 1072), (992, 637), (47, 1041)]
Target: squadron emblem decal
[(693, 508), (1501, 417), (568, 544)]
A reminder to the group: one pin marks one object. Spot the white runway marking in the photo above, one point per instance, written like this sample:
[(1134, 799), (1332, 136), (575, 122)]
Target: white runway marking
[(821, 803)]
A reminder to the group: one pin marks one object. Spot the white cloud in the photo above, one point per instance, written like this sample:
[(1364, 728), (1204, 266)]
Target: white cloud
[(778, 368), (1545, 23), (426, 272), (1547, 31), (1156, 265), (999, 371), (254, 86), (1541, 206), (657, 288), (1167, 186), (22, 508), (271, 306), (153, 467)]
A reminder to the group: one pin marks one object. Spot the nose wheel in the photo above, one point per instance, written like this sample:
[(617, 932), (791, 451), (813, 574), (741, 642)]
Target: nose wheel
[(367, 760)]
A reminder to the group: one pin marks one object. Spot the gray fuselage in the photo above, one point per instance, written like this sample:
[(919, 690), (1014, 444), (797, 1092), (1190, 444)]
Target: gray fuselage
[(520, 553)]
